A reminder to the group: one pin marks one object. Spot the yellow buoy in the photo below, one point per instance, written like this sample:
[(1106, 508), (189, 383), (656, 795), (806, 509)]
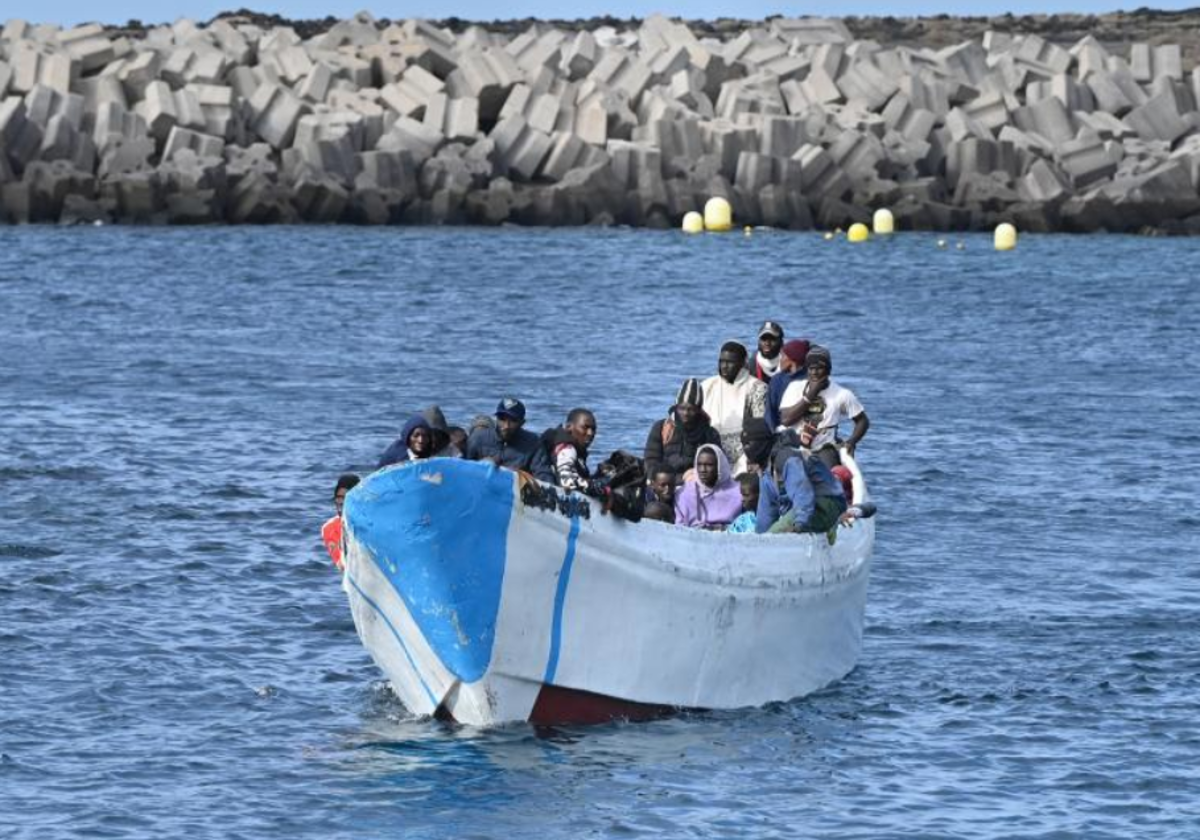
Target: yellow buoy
[(828, 236), (941, 243), (883, 222), (960, 246), (747, 230), (1006, 237), (693, 222), (718, 215), (858, 233)]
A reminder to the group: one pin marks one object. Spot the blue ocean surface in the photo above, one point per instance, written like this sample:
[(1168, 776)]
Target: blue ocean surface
[(176, 654)]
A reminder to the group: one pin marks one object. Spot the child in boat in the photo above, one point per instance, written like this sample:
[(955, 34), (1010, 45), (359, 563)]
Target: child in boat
[(747, 522), (331, 531), (660, 511), (662, 487)]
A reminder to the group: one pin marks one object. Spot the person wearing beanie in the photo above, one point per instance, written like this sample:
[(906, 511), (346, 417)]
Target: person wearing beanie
[(791, 367), (674, 440), (765, 363), (819, 396), (729, 395), (507, 443)]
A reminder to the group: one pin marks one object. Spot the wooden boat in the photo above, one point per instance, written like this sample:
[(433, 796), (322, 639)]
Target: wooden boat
[(486, 597)]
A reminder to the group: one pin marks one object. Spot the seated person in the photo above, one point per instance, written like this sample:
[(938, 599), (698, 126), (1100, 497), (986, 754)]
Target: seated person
[(443, 445), (800, 494), (415, 443), (331, 531), (662, 487), (509, 444), (712, 499), (567, 447), (730, 395), (747, 521), (765, 363), (792, 367), (757, 440), (459, 438), (820, 394), (674, 441), (660, 511)]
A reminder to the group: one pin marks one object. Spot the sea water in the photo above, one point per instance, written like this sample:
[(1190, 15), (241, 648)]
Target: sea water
[(177, 657)]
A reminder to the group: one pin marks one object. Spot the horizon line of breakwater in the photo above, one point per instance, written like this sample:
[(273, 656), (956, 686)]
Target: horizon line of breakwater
[(795, 123)]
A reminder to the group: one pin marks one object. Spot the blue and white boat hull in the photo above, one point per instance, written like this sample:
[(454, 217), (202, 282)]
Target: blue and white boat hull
[(487, 597)]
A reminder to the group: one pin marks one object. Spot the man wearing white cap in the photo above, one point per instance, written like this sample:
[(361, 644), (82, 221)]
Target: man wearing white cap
[(765, 363)]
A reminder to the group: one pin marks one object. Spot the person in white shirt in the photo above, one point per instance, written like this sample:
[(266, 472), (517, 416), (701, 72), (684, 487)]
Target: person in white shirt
[(818, 395), (729, 396)]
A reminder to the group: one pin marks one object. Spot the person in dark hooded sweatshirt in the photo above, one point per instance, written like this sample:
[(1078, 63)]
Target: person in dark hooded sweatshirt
[(443, 445), (415, 443), (674, 441)]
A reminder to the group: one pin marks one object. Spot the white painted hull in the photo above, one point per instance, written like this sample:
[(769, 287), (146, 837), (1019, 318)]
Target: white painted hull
[(620, 613)]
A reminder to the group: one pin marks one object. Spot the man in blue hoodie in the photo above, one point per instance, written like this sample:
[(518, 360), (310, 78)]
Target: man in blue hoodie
[(509, 444), (415, 443)]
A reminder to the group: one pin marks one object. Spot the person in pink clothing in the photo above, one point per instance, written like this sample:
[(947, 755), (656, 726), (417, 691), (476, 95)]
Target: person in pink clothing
[(712, 499), (331, 531)]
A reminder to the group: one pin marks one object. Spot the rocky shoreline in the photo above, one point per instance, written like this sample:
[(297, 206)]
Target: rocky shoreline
[(1054, 123)]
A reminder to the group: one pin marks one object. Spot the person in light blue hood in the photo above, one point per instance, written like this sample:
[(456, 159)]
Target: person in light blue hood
[(415, 443)]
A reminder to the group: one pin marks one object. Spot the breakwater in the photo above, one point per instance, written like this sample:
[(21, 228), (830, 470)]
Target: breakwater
[(796, 122)]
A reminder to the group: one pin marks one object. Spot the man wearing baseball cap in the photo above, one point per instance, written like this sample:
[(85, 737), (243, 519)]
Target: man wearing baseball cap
[(509, 444), (765, 363)]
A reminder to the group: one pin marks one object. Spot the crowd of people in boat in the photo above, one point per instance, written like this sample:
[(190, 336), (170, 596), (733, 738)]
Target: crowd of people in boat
[(754, 448)]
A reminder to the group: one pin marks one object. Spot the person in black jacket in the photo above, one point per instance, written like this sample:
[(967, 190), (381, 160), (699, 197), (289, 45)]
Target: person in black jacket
[(509, 444), (673, 441)]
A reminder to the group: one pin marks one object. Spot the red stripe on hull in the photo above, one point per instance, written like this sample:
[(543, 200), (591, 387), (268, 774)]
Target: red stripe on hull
[(558, 705)]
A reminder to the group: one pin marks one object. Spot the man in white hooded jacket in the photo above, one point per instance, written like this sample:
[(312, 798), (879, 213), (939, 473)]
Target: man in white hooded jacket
[(729, 395)]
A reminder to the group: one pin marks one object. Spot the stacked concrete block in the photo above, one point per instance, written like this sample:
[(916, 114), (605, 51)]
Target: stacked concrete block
[(20, 138), (419, 140), (33, 65), (1089, 160), (793, 121), (623, 73), (409, 95), (865, 82), (202, 145), (275, 111), (580, 56), (488, 77), (520, 148), (1148, 63), (1158, 119)]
